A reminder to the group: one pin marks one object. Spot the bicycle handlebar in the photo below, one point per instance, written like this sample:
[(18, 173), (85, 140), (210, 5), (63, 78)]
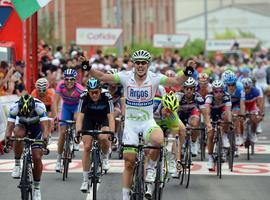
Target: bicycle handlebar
[(96, 132), (67, 121), (144, 146)]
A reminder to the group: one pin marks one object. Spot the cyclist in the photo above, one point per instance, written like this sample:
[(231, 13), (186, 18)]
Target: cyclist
[(69, 90), (204, 86), (32, 120), (140, 86), (236, 90), (218, 104), (191, 103), (254, 105), (95, 111), (165, 114), (47, 96)]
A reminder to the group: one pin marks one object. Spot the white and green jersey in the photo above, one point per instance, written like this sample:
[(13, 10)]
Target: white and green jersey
[(139, 99)]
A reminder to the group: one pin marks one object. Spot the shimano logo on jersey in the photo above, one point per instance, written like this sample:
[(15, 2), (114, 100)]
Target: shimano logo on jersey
[(132, 103), (142, 94)]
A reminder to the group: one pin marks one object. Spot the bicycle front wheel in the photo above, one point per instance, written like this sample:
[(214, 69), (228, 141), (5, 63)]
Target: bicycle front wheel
[(66, 159), (25, 183), (219, 156)]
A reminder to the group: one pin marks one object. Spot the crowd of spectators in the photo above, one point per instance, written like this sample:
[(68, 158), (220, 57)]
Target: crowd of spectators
[(53, 63)]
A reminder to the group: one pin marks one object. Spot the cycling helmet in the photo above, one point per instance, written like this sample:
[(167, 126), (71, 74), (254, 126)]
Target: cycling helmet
[(70, 73), (247, 82), (141, 55), (190, 82), (42, 84), (170, 73), (203, 77), (170, 101), (26, 105), (245, 70), (217, 84), (229, 78), (92, 84)]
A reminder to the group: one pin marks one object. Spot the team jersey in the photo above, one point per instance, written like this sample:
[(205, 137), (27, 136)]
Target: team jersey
[(238, 94), (38, 115), (139, 99), (70, 99), (226, 101), (203, 93), (95, 111), (47, 99), (187, 105), (252, 96)]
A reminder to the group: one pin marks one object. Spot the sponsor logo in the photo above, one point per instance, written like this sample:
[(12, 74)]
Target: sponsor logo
[(139, 94), (132, 103)]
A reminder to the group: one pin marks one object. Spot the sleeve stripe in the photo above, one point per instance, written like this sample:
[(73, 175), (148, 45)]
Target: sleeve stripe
[(117, 78), (111, 106), (80, 105), (163, 80)]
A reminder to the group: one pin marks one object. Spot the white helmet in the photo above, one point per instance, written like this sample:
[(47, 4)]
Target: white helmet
[(217, 84), (141, 55), (42, 84), (190, 82)]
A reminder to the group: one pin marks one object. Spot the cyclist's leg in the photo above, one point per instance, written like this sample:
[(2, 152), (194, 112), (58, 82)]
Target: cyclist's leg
[(105, 147), (130, 137), (37, 153), (86, 163), (19, 131), (194, 121)]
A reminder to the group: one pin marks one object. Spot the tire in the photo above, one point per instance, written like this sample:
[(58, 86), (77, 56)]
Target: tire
[(66, 159), (157, 194), (188, 164), (25, 183), (231, 151), (202, 145), (94, 180), (219, 155)]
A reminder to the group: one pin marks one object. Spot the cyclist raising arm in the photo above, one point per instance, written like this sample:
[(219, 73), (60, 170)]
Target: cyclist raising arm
[(32, 119), (140, 86)]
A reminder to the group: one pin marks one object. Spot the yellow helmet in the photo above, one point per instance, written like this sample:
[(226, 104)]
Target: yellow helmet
[(170, 101)]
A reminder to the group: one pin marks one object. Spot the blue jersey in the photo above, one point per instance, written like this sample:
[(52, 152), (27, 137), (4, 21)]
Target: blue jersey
[(238, 94)]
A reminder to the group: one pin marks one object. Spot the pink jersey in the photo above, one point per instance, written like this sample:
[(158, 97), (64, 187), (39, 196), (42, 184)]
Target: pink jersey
[(70, 99)]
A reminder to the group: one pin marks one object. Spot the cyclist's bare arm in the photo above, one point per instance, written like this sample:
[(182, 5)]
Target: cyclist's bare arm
[(229, 112), (260, 104), (206, 118), (242, 107), (107, 78), (56, 102), (79, 121), (10, 128), (111, 121), (45, 129)]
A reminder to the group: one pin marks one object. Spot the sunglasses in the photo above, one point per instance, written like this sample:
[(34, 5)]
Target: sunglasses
[(141, 62), (218, 91), (247, 87), (92, 92), (231, 84), (188, 88), (69, 79), (42, 91)]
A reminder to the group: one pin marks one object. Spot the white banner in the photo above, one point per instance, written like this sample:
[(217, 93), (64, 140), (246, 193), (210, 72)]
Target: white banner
[(226, 45), (97, 36), (5, 103), (170, 40), (219, 45)]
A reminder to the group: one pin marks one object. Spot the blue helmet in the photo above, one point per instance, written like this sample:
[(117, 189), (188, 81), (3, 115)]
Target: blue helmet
[(229, 78), (92, 84), (70, 73)]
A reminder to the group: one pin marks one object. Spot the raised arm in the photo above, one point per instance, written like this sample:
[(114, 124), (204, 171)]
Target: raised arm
[(107, 78), (179, 80)]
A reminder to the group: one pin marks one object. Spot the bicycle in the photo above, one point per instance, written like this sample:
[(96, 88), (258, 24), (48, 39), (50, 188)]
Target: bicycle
[(186, 161), (218, 150), (203, 140), (162, 167), (68, 152), (138, 185), (249, 145), (96, 166), (26, 180)]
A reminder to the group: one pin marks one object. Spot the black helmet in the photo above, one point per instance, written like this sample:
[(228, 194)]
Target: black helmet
[(26, 105), (92, 84)]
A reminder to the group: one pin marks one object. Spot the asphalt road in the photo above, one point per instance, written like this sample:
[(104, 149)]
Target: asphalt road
[(250, 179)]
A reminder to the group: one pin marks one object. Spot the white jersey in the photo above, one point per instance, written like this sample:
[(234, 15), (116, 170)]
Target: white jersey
[(139, 99)]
